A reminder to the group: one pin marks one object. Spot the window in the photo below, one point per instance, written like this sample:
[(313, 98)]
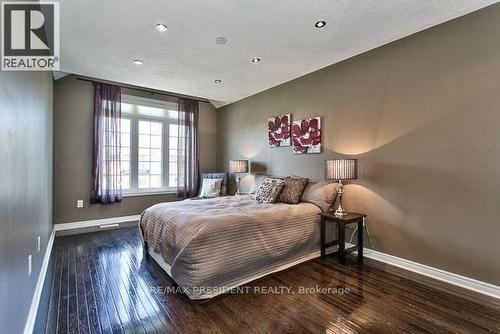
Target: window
[(125, 152), (176, 148), (172, 155), (150, 154), (149, 145), (110, 165)]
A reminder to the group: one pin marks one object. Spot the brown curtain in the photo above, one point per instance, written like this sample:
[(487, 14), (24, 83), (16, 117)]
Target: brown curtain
[(187, 154), (106, 166)]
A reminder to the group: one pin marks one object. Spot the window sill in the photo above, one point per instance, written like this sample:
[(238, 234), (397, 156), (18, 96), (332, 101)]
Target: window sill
[(149, 193)]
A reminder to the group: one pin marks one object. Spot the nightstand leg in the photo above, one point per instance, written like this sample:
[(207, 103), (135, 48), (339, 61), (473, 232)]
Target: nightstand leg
[(322, 236), (341, 230), (360, 241)]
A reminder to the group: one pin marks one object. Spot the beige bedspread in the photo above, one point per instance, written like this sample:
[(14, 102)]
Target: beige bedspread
[(220, 243)]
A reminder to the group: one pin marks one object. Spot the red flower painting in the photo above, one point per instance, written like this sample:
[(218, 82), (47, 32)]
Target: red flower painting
[(279, 130), (306, 136)]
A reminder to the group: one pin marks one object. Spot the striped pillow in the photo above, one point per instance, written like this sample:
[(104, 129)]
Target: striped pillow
[(269, 190)]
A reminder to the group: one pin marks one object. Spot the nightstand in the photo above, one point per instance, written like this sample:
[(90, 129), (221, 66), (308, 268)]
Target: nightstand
[(341, 222)]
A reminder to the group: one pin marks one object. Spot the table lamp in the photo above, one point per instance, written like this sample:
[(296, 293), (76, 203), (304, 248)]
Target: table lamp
[(340, 170), (237, 167)]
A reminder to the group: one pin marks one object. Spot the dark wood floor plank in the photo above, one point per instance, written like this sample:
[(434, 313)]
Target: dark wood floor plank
[(103, 294), (176, 308), (125, 304), (320, 310), (349, 305), (191, 318), (394, 313), (63, 308), (114, 300), (128, 283), (151, 305), (51, 326), (76, 309), (147, 285), (95, 298), (421, 300), (86, 295), (104, 283)]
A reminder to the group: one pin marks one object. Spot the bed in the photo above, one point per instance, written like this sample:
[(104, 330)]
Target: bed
[(213, 245)]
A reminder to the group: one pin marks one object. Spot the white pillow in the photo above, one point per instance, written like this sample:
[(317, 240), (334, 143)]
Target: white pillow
[(210, 188)]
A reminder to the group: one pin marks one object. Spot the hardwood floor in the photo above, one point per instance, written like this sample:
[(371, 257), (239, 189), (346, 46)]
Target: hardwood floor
[(103, 283)]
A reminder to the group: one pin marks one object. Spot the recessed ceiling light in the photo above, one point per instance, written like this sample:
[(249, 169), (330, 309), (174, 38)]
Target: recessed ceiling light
[(217, 81), (256, 60), (137, 62), (320, 24), (161, 27), (221, 40)]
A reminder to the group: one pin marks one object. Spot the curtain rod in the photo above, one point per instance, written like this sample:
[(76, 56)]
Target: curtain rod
[(141, 89)]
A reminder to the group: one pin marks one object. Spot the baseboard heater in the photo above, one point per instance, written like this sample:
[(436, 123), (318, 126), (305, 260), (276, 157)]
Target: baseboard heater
[(86, 226), (108, 226)]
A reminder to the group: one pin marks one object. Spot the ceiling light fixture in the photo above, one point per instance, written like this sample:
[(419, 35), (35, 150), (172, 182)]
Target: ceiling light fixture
[(137, 61), (256, 60), (320, 24), (161, 27), (217, 81)]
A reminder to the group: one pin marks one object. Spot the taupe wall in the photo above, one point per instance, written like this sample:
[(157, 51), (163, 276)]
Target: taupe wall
[(73, 123), (26, 189), (423, 117), (207, 131)]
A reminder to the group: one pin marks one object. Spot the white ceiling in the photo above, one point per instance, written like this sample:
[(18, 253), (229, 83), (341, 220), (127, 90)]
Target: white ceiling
[(101, 38)]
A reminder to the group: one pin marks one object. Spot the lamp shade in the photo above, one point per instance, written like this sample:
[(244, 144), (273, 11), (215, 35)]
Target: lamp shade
[(238, 166), (341, 169)]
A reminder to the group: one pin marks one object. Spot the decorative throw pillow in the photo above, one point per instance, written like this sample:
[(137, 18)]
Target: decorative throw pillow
[(258, 178), (210, 188), (322, 194), (221, 175), (269, 190), (293, 189)]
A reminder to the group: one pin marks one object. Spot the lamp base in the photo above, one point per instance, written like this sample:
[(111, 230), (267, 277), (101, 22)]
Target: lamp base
[(340, 191), (238, 179), (340, 212)]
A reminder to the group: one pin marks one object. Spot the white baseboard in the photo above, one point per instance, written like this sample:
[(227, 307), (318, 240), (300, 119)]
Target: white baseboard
[(438, 274), (95, 222), (30, 322)]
